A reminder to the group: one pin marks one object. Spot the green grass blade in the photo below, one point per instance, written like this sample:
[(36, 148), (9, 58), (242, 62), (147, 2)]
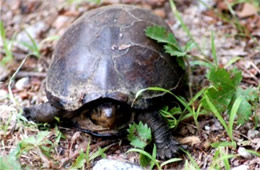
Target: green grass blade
[(233, 60), (50, 38), (99, 152), (183, 25), (224, 144), (224, 157), (226, 164), (217, 114), (87, 152), (189, 46), (213, 48), (197, 96), (193, 162), (230, 7), (253, 152), (153, 160), (170, 161), (7, 46), (182, 101), (142, 152), (34, 46), (2, 30), (233, 113), (201, 63)]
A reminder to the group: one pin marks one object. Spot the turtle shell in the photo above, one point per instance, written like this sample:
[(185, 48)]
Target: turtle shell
[(105, 54)]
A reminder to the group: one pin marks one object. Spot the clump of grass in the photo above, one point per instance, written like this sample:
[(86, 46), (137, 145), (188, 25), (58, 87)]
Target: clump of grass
[(148, 159), (7, 45)]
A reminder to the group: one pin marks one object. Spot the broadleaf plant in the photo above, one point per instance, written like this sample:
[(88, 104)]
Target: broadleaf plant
[(171, 46), (139, 135), (225, 89)]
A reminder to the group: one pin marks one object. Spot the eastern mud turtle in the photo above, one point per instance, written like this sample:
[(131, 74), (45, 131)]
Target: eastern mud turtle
[(98, 66)]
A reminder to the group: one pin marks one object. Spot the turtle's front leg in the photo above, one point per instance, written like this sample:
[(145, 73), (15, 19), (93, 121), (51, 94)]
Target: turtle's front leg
[(166, 145), (41, 113)]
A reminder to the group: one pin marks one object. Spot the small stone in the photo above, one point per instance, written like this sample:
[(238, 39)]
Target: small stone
[(207, 128), (241, 167), (22, 83), (3, 73), (104, 164), (60, 21), (216, 126), (251, 134), (160, 13), (3, 94), (242, 152)]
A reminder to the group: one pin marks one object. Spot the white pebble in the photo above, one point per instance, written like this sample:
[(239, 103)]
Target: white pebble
[(22, 83), (109, 164), (241, 167), (242, 152)]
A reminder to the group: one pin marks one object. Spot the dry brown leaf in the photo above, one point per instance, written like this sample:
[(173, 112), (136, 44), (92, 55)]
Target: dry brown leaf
[(192, 140), (247, 11), (222, 4)]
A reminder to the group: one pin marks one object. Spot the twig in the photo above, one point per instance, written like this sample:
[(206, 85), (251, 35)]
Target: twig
[(190, 79), (12, 79), (255, 67), (30, 74), (46, 162)]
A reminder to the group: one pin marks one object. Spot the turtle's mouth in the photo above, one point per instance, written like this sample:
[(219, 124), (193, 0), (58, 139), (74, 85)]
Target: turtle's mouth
[(86, 125), (106, 119)]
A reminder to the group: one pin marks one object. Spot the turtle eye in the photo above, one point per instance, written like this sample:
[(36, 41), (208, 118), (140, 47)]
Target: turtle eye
[(97, 111)]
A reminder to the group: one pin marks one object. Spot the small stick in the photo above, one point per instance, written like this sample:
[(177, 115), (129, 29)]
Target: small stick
[(30, 74), (12, 79)]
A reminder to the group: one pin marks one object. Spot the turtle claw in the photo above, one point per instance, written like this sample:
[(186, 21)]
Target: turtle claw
[(167, 147), (169, 150)]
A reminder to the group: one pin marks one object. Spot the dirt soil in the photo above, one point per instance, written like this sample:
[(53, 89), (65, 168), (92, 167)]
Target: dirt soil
[(50, 18)]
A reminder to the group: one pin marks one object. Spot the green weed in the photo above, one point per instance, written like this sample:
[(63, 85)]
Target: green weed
[(7, 45), (148, 159), (139, 135), (85, 158)]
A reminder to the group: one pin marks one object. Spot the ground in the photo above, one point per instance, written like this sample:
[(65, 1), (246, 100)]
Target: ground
[(237, 34)]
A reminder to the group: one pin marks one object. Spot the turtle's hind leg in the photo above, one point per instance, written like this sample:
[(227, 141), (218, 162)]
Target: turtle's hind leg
[(41, 113), (166, 145)]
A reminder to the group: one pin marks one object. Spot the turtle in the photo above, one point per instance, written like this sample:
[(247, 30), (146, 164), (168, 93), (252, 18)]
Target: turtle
[(99, 64)]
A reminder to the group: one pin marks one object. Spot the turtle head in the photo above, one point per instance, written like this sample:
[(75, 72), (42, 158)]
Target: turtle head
[(108, 114)]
